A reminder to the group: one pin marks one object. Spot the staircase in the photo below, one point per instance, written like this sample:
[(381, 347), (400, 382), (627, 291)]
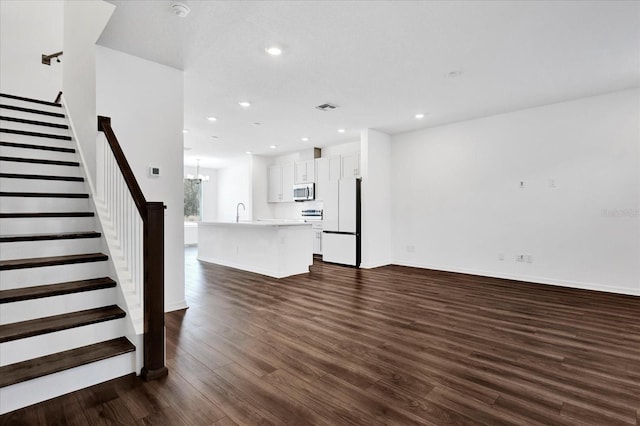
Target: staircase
[(61, 328)]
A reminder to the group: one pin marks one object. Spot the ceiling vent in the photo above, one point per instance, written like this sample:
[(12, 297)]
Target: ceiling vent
[(326, 107)]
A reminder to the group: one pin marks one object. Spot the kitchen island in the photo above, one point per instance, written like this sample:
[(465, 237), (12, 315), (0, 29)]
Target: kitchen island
[(274, 248)]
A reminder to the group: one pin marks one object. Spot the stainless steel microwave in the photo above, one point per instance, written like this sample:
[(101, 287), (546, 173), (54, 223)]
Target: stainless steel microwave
[(304, 192)]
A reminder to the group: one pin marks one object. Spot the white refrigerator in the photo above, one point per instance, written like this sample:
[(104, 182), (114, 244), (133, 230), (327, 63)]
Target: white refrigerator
[(341, 222)]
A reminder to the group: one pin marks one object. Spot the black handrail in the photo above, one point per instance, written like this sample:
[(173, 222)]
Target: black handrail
[(46, 59), (152, 214)]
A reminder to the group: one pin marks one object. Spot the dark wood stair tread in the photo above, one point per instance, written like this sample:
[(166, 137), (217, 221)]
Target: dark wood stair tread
[(61, 361), (35, 134), (47, 237), (40, 161), (36, 262), (32, 111), (50, 290), (43, 194), (41, 177), (32, 146), (35, 101), (33, 122), (29, 215), (39, 326)]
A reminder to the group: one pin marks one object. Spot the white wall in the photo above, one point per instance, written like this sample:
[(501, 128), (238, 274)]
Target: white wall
[(342, 149), (375, 168), (457, 202), (259, 171), (29, 29), (83, 24), (145, 102), (235, 186)]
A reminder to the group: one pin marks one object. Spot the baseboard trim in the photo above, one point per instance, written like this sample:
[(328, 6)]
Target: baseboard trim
[(373, 266), (527, 278), (176, 306)]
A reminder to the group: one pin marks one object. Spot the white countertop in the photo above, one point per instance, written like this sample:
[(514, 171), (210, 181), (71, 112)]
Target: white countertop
[(268, 222)]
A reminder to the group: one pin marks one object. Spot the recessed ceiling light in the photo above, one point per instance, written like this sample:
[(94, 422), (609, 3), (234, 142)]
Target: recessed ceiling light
[(211, 118), (341, 130), (248, 152), (273, 146), (180, 9), (418, 116), (305, 139), (244, 104), (273, 50), (185, 130)]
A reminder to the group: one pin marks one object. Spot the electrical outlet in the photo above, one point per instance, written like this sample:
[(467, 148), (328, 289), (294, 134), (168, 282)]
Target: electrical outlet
[(520, 258), (411, 249), (521, 184)]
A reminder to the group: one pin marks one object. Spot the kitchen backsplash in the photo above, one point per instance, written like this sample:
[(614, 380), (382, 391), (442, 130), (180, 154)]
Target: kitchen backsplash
[(293, 210)]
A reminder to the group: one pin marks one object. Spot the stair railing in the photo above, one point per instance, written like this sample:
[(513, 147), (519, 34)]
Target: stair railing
[(46, 59), (139, 228)]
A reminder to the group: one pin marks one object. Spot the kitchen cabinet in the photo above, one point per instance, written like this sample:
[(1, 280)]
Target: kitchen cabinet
[(351, 165), (280, 183), (304, 171), (327, 169), (317, 238)]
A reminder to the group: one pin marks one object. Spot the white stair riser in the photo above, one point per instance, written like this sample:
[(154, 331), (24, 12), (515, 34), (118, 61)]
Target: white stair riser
[(19, 226), (19, 278), (32, 116), (27, 104), (43, 204), (43, 388), (35, 140), (60, 143), (45, 248), (30, 105), (39, 169), (26, 310), (50, 343), (12, 151), (14, 125), (41, 185)]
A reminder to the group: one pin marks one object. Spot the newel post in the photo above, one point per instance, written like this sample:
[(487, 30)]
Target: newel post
[(154, 347)]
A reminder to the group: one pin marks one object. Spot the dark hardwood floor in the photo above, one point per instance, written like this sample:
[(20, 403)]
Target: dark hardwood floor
[(393, 345)]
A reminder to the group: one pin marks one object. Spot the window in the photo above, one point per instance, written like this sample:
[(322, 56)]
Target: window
[(192, 200)]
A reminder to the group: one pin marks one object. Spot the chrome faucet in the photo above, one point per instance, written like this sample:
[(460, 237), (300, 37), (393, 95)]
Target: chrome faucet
[(238, 211)]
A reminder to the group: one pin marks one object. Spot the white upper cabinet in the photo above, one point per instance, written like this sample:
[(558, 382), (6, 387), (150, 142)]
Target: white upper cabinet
[(327, 169), (351, 165), (280, 183), (304, 171)]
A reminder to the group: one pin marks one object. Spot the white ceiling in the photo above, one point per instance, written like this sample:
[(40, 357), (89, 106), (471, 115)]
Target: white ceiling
[(381, 62)]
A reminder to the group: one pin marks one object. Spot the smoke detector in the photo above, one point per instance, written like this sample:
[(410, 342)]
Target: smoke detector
[(180, 9), (326, 107)]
